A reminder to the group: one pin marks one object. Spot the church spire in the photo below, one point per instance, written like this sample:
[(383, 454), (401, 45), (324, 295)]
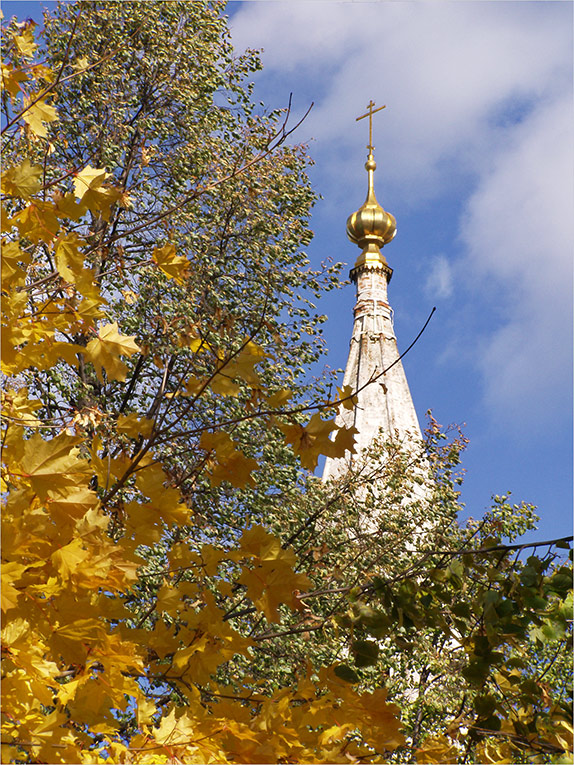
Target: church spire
[(384, 405), (371, 227)]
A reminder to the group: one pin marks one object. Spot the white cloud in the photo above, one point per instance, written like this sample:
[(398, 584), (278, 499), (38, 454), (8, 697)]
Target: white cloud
[(519, 233), (479, 99), (439, 282), (444, 69)]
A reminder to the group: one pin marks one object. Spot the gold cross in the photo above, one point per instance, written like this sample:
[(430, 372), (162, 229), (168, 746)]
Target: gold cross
[(369, 114)]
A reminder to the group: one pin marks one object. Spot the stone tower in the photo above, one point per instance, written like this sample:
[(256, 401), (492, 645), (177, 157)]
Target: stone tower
[(384, 404)]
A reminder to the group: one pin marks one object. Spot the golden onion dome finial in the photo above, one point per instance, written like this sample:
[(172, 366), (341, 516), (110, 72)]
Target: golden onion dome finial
[(371, 227)]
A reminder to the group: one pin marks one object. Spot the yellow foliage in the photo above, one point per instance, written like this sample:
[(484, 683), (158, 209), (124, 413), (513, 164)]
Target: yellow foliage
[(105, 350), (135, 426), (438, 750), (25, 42), (22, 180), (229, 463), (310, 441), (77, 508), (174, 266), (36, 113)]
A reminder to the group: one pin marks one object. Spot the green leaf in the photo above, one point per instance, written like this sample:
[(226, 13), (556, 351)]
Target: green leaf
[(485, 705), (344, 672), (365, 652)]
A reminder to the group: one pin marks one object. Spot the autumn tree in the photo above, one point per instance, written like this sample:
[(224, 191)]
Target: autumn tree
[(176, 588)]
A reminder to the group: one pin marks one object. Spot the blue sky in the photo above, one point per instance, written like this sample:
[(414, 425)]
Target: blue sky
[(475, 160)]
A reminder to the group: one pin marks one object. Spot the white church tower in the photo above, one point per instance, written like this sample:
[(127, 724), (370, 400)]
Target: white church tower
[(384, 405)]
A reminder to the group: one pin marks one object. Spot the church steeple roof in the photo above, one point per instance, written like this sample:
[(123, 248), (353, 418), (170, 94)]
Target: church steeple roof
[(371, 227), (384, 406)]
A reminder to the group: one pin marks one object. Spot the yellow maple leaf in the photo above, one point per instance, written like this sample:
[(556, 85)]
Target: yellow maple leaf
[(259, 543), (14, 262), (494, 753), (346, 392), (17, 405), (67, 207), (22, 180), (73, 502), (344, 442), (87, 630), (272, 580), (174, 728), (438, 750), (89, 179), (230, 463), (80, 64), (145, 711), (37, 114), (242, 365), (11, 573), (271, 583), (69, 558), (25, 42), (135, 426), (172, 265), (105, 350), (310, 441), (37, 222), (91, 189), (11, 79), (47, 465), (165, 500), (169, 599), (69, 258), (224, 385), (279, 398)]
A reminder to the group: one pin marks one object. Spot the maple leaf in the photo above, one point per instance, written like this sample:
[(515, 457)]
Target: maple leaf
[(11, 79), (73, 502), (36, 115), (165, 501), (12, 272), (47, 464), (231, 463), (25, 42), (11, 572), (242, 365), (279, 398), (135, 426), (344, 442), (80, 64), (17, 405), (261, 544), (86, 630), (224, 385), (438, 750), (310, 441), (174, 728), (66, 206), (22, 180), (89, 179), (272, 580), (346, 392), (37, 222), (172, 265), (91, 190), (69, 259), (104, 352), (69, 558)]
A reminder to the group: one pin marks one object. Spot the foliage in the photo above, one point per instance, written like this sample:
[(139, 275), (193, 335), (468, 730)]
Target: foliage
[(174, 588)]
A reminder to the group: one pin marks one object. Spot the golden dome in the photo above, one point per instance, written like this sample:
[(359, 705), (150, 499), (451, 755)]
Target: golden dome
[(371, 225)]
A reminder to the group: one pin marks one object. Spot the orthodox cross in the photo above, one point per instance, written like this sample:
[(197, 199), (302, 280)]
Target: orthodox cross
[(369, 114)]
